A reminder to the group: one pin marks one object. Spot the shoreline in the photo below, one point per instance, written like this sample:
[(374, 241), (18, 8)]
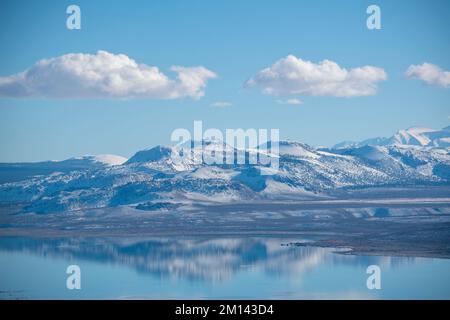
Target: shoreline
[(417, 227)]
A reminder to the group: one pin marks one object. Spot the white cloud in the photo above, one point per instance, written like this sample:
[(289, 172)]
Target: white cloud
[(429, 73), (221, 104), (103, 75), (292, 75), (293, 101)]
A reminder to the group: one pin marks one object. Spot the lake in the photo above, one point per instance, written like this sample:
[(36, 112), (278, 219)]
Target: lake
[(209, 268)]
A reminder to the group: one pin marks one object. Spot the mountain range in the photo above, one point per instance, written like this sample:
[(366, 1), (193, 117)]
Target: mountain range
[(10, 172), (150, 180), (416, 136)]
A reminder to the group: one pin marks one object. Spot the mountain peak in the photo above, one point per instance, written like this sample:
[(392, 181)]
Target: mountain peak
[(152, 154), (414, 136), (418, 129), (105, 159)]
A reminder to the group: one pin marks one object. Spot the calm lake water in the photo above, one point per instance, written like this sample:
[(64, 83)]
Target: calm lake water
[(207, 268)]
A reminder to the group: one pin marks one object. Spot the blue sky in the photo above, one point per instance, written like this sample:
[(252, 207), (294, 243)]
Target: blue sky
[(235, 40)]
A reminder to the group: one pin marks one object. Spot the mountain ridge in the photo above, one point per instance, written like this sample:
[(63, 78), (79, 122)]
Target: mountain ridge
[(152, 180), (419, 136)]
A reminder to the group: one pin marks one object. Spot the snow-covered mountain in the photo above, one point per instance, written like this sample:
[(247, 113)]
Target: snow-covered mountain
[(152, 180), (415, 136), (10, 172)]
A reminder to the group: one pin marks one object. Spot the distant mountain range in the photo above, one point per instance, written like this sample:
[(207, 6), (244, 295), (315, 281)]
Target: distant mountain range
[(150, 180), (415, 136), (10, 172)]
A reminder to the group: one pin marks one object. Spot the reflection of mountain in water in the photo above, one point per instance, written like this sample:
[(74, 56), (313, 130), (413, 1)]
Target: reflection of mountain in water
[(200, 259)]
